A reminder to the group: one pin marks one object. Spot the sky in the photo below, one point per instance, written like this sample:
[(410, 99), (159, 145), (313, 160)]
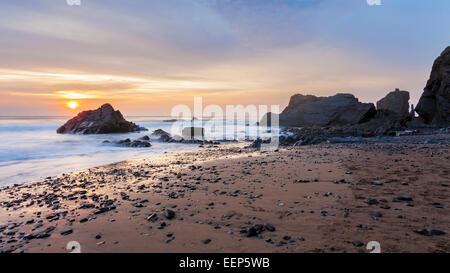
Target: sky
[(144, 57)]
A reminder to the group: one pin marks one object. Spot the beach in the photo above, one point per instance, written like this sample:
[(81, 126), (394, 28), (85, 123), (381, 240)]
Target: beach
[(229, 198)]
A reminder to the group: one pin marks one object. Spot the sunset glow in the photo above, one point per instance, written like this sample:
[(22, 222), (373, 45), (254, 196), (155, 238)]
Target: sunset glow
[(240, 52), (72, 105)]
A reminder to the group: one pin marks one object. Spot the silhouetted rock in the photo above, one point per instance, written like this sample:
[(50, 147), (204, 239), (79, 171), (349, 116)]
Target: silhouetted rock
[(395, 103), (434, 105), (104, 120), (340, 109), (269, 119)]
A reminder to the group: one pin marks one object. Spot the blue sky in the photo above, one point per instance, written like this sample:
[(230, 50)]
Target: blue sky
[(146, 56)]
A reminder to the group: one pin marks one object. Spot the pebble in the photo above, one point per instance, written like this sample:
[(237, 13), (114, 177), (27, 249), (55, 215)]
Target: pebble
[(169, 214), (430, 232), (67, 232), (405, 198), (376, 214), (269, 227)]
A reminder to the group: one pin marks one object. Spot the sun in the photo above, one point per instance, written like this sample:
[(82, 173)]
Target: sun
[(73, 105)]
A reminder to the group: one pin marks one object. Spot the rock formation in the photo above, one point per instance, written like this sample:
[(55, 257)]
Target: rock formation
[(139, 143), (434, 105), (162, 135), (396, 103), (340, 109), (104, 120)]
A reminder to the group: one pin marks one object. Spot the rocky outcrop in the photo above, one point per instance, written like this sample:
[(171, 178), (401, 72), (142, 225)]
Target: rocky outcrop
[(396, 104), (104, 120), (139, 143), (340, 109), (162, 135), (434, 105)]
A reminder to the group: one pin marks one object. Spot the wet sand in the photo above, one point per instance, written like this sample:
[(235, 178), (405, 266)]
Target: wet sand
[(229, 198)]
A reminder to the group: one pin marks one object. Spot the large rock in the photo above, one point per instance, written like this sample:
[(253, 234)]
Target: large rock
[(162, 135), (104, 120), (434, 105), (340, 109), (395, 103)]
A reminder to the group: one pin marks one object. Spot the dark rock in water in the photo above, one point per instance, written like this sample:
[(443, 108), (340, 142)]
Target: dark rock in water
[(134, 144), (169, 214), (124, 141), (340, 109), (140, 144), (145, 138), (193, 133), (434, 104), (162, 135), (395, 103), (104, 120)]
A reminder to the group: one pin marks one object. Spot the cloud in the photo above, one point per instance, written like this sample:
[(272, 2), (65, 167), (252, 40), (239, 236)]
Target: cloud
[(242, 51)]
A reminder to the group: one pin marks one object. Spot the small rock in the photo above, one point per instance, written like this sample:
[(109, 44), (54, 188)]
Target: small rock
[(152, 218), (67, 232), (430, 232), (269, 227), (376, 214), (405, 198), (169, 214)]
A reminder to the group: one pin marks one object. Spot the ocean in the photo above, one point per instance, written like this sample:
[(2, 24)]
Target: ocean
[(30, 148)]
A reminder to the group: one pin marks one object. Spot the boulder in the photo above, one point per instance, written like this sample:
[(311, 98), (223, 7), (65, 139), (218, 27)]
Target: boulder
[(104, 120), (162, 135), (434, 104), (395, 103), (140, 143), (340, 109)]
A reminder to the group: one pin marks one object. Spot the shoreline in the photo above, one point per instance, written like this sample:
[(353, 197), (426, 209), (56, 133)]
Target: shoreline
[(317, 198)]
